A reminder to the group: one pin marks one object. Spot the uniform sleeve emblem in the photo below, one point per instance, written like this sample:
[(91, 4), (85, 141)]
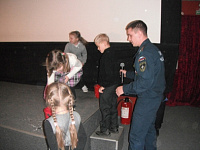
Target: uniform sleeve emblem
[(142, 66), (142, 63)]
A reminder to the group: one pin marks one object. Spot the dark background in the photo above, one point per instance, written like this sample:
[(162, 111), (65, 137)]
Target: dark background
[(22, 62)]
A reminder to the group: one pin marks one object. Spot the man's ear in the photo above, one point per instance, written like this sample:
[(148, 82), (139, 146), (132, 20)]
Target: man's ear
[(140, 34)]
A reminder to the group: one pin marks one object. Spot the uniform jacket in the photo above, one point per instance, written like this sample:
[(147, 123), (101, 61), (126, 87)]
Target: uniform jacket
[(149, 74)]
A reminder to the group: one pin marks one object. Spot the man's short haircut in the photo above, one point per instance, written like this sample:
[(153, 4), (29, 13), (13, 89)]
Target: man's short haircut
[(138, 24), (100, 38)]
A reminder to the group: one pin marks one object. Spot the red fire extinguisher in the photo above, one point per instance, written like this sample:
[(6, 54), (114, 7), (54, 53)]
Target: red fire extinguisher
[(96, 90), (126, 111)]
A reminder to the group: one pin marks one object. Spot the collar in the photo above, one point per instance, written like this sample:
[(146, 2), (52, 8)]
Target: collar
[(145, 42), (77, 44), (107, 50)]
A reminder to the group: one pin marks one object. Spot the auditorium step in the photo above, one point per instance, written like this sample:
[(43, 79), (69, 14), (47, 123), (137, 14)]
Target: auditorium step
[(90, 126), (113, 142)]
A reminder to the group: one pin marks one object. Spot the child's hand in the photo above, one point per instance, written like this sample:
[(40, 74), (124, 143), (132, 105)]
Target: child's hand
[(123, 71), (66, 79), (101, 89)]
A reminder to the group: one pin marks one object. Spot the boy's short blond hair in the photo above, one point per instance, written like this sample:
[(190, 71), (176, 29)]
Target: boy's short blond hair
[(101, 38)]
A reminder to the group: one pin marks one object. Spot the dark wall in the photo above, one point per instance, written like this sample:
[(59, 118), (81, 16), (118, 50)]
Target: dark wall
[(22, 62), (170, 21)]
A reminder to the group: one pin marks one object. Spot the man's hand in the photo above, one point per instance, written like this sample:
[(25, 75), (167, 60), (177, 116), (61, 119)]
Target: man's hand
[(123, 71), (119, 90)]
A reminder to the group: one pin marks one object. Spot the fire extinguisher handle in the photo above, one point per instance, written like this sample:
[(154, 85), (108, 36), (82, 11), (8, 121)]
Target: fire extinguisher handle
[(119, 101), (129, 100)]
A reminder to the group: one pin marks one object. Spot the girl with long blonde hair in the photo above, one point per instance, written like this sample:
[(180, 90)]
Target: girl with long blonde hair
[(61, 128)]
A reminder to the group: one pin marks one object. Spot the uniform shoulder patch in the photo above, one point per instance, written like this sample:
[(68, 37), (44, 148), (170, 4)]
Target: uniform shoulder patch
[(142, 63), (142, 58)]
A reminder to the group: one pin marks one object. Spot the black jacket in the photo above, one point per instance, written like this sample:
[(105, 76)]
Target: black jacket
[(108, 69)]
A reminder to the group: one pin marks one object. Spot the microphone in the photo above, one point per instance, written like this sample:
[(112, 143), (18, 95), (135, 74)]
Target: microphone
[(122, 75)]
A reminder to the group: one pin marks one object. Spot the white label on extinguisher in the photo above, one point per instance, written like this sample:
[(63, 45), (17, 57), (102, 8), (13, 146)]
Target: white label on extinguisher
[(124, 112)]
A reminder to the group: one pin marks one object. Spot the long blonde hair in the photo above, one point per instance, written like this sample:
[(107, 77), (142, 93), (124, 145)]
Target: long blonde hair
[(55, 59), (59, 94)]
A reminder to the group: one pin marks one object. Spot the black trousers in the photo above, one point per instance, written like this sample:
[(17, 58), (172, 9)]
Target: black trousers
[(82, 82), (160, 116), (108, 108), (73, 92)]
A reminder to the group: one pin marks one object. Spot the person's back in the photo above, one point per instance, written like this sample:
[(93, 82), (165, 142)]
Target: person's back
[(64, 121), (61, 128), (109, 68)]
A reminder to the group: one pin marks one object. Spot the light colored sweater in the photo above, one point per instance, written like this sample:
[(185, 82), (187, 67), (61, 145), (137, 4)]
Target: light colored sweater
[(64, 121), (79, 50), (75, 66)]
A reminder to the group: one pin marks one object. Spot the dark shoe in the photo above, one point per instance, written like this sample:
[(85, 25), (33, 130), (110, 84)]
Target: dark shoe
[(114, 130), (74, 107), (100, 133)]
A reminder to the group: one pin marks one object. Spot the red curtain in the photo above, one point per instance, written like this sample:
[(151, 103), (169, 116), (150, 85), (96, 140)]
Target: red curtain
[(187, 77)]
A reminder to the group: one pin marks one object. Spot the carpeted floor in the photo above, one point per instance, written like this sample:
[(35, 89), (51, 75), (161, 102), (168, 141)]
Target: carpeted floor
[(21, 119), (180, 129)]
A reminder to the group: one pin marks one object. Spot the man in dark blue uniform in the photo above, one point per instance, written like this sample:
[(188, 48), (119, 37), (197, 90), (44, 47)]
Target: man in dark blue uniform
[(148, 85)]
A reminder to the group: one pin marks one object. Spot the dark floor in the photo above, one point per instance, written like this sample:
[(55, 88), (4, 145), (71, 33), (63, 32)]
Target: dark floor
[(21, 119)]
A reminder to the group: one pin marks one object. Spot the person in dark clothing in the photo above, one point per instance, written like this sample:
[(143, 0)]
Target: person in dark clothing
[(160, 115), (108, 79), (148, 85)]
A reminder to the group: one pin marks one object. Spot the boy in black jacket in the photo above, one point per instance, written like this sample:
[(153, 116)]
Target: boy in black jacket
[(108, 79)]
